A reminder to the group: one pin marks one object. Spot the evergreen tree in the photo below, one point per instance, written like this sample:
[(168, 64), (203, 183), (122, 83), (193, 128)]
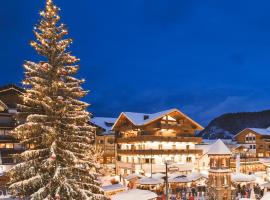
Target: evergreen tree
[(60, 162)]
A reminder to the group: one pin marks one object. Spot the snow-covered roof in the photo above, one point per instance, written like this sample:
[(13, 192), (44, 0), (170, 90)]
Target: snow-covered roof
[(150, 181), (104, 122), (139, 119), (132, 176), (135, 194), (113, 187), (240, 177), (260, 131), (179, 179), (219, 148)]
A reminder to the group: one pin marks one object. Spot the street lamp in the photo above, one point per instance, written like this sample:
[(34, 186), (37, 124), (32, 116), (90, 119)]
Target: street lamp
[(167, 162)]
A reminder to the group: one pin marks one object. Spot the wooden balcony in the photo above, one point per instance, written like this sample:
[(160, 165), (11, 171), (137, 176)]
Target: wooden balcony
[(153, 138), (159, 152)]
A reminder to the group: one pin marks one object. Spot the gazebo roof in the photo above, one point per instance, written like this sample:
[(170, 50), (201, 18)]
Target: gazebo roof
[(219, 148)]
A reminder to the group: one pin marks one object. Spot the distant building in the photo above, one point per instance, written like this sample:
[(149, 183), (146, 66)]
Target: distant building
[(145, 140), (105, 140), (254, 144), (9, 98), (257, 140)]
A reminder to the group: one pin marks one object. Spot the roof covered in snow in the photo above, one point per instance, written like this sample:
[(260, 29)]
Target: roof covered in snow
[(113, 187), (260, 131), (150, 181), (135, 194), (219, 148), (139, 119), (240, 177), (105, 123)]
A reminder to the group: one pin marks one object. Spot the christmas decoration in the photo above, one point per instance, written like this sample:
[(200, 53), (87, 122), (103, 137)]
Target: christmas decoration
[(61, 161)]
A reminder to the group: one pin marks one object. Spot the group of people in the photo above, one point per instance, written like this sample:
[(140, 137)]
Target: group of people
[(244, 191), (186, 193)]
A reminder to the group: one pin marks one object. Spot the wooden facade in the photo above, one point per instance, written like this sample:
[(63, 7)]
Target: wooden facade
[(105, 142), (219, 182), (142, 138), (257, 143), (9, 98)]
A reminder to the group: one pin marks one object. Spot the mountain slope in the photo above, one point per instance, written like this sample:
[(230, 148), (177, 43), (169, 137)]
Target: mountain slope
[(227, 125)]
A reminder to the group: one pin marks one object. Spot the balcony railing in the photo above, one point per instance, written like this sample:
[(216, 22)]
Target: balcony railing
[(159, 152), (158, 139)]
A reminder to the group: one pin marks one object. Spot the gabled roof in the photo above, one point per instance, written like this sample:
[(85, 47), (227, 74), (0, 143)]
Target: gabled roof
[(260, 131), (105, 123), (139, 119), (11, 87), (219, 148)]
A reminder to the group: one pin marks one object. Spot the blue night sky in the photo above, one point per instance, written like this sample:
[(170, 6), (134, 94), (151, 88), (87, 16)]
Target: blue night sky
[(203, 57)]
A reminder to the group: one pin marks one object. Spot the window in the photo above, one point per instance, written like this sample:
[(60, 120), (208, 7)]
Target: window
[(224, 163), (187, 147), (173, 146), (100, 141), (6, 146), (188, 159), (260, 154), (160, 146), (250, 138), (110, 141), (9, 146)]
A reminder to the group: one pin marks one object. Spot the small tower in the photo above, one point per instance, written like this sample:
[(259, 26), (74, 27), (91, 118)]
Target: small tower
[(219, 183)]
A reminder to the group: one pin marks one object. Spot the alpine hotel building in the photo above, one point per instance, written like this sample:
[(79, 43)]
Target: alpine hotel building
[(145, 141)]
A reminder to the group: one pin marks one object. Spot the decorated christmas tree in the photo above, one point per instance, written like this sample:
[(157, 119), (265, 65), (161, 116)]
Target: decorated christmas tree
[(60, 161)]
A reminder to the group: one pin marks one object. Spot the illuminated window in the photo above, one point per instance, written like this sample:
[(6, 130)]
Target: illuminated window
[(260, 154), (224, 163), (2, 146), (250, 138), (9, 146), (160, 146), (188, 159)]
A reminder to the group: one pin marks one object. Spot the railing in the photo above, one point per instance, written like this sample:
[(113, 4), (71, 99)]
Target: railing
[(159, 152), (158, 139)]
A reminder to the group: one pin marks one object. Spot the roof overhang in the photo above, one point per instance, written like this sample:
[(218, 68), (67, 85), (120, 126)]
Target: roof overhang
[(159, 117)]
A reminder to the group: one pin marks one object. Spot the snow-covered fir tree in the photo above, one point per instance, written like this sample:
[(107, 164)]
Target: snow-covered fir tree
[(60, 162)]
